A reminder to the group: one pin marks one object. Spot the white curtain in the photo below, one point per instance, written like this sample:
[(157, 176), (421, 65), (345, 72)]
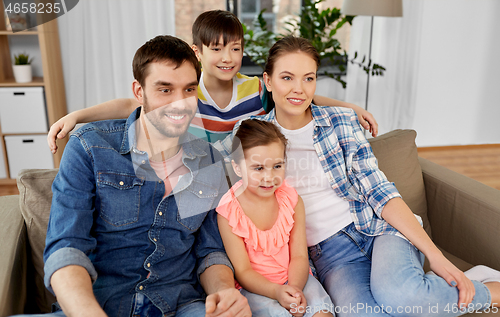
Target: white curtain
[(98, 42), (396, 46)]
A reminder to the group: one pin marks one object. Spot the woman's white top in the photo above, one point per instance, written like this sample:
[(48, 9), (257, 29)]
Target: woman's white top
[(326, 212)]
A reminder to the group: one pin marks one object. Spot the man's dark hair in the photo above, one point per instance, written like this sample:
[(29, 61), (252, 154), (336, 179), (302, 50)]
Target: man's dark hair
[(163, 48), (210, 25)]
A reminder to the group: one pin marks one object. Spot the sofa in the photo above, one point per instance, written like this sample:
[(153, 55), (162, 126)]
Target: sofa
[(460, 214)]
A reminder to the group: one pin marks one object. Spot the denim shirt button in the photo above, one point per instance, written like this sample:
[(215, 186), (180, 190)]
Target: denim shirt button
[(159, 181), (154, 239), (149, 264), (143, 162), (200, 192), (141, 288), (121, 183), (160, 213)]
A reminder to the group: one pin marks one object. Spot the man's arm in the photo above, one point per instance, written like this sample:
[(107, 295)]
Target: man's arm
[(218, 283), (214, 268), (215, 272), (68, 270), (73, 288)]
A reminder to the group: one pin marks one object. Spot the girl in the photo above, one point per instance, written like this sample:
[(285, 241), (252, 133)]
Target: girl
[(261, 221), (366, 244)]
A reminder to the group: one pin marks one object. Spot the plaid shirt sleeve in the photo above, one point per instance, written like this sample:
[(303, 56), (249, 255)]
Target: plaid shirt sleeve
[(373, 183), (353, 170)]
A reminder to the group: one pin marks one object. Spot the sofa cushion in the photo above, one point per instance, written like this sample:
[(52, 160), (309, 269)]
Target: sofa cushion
[(397, 157), (35, 197), (13, 259)]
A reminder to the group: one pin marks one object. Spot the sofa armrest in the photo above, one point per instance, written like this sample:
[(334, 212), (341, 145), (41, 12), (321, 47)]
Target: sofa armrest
[(464, 214), (13, 259)]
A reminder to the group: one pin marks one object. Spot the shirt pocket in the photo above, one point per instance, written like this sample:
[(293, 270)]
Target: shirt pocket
[(193, 204), (119, 195)]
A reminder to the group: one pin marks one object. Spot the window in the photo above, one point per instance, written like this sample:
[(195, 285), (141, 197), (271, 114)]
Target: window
[(250, 8), (276, 14)]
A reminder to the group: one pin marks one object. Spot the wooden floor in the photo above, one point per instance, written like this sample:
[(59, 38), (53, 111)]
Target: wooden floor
[(480, 162)]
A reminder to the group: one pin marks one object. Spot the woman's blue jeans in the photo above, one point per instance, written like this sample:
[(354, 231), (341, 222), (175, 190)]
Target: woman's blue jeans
[(383, 276)]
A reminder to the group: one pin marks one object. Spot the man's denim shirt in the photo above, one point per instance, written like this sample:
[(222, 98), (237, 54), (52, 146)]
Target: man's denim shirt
[(109, 216)]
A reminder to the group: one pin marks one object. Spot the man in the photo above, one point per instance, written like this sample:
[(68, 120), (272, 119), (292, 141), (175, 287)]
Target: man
[(132, 230)]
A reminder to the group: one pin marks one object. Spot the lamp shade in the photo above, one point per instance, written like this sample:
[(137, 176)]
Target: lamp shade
[(385, 8)]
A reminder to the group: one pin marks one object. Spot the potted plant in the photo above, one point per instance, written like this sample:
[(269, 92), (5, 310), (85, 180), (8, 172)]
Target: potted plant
[(22, 68), (317, 26)]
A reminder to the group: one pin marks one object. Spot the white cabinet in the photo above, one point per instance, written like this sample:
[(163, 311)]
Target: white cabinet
[(22, 110), (3, 171), (28, 151)]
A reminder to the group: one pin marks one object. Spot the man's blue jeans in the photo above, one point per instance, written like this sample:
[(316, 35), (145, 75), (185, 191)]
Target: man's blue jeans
[(144, 308), (383, 276)]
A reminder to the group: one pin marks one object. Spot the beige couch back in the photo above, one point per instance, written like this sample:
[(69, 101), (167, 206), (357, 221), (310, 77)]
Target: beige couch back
[(35, 197), (396, 153)]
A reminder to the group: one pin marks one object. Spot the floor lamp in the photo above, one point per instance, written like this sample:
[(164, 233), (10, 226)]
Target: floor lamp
[(385, 8)]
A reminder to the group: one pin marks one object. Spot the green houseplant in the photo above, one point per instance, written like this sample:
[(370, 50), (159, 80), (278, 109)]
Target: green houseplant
[(319, 27), (22, 59), (22, 68)]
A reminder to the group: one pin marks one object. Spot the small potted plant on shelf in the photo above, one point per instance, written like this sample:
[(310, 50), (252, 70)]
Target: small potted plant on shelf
[(22, 68)]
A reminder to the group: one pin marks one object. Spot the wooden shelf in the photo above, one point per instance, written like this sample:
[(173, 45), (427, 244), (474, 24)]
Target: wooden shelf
[(8, 181), (19, 33), (37, 82), (46, 36)]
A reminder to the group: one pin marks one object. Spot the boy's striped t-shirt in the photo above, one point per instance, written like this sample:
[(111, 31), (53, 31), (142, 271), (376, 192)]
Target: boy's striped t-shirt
[(213, 123)]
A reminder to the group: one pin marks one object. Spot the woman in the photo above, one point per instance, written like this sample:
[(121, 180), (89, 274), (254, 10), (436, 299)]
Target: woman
[(366, 244)]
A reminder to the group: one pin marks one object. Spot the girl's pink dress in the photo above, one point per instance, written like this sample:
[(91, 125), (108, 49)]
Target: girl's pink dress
[(268, 250)]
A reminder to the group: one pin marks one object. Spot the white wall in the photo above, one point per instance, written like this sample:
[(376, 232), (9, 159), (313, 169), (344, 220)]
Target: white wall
[(443, 71), (329, 87), (98, 42), (458, 86)]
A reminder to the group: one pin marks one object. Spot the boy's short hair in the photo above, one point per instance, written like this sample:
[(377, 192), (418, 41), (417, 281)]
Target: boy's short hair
[(210, 25), (163, 48)]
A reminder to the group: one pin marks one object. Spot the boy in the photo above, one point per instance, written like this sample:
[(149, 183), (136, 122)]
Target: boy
[(224, 95)]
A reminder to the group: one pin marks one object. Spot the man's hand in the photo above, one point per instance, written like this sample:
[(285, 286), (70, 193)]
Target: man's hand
[(227, 303)]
